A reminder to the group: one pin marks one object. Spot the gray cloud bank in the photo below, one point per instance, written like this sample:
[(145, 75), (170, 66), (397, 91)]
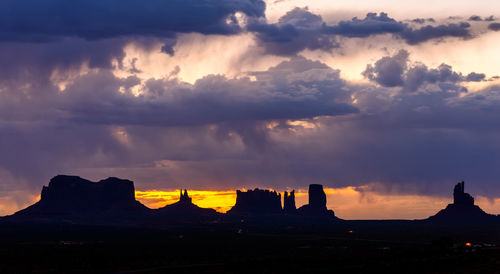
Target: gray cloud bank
[(300, 29), (413, 129), (33, 20), (228, 133), (396, 71)]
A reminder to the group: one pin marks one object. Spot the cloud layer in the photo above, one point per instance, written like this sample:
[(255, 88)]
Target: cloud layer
[(32, 20), (300, 29), (74, 99)]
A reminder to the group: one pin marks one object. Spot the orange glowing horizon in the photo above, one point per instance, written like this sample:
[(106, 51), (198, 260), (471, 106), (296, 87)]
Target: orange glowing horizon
[(347, 202)]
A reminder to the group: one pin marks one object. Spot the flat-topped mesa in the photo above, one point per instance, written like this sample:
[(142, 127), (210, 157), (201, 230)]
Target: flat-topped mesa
[(257, 202), (317, 203), (72, 195), (460, 197), (289, 203), (71, 190)]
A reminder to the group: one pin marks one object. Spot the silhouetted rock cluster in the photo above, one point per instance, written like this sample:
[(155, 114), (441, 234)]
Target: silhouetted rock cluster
[(265, 202), (463, 209), (74, 199), (257, 201)]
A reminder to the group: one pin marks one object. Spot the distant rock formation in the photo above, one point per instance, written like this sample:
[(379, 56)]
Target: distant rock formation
[(72, 196), (184, 198), (257, 202), (289, 203), (317, 203), (462, 210), (460, 197), (185, 208)]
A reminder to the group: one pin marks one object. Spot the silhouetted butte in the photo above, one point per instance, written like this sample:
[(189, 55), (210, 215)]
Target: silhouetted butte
[(317, 203), (185, 209), (257, 202), (462, 210)]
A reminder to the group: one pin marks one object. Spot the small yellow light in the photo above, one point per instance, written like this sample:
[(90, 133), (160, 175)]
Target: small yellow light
[(468, 244)]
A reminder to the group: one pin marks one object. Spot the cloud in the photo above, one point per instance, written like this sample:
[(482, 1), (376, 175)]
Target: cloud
[(396, 71), (424, 34), (475, 18), (105, 125), (494, 26), (103, 108), (168, 47), (479, 18), (423, 20), (300, 29), (282, 92), (225, 133), (297, 30), (388, 71), (22, 63), (41, 21), (372, 24), (489, 18)]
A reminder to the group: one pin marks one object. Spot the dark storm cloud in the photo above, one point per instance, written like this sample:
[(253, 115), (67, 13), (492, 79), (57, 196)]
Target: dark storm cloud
[(217, 132), (396, 71), (494, 26), (388, 71), (479, 18), (83, 118), (297, 30), (33, 63), (33, 20), (475, 77), (168, 47), (300, 29), (475, 18), (423, 20), (424, 34), (282, 92), (372, 24)]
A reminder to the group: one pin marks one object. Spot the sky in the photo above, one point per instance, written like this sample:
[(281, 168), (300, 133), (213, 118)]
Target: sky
[(386, 103)]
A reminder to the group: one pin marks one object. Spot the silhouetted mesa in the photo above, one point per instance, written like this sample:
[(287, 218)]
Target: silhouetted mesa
[(289, 203), (72, 196), (185, 208), (257, 202), (317, 203), (463, 209)]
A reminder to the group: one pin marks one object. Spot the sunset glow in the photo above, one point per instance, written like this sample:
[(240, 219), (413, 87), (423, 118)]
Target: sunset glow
[(221, 201)]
